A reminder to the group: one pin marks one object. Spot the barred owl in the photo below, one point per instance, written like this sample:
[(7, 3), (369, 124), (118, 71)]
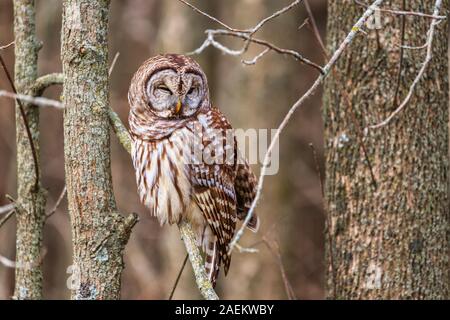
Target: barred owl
[(172, 124)]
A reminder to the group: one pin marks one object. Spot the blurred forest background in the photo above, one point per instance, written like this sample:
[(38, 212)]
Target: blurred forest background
[(251, 97)]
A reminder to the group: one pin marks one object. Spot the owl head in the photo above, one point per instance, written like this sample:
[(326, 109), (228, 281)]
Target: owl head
[(169, 87)]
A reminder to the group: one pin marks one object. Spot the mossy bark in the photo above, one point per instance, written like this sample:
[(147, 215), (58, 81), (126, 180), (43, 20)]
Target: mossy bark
[(31, 201), (388, 241), (99, 232)]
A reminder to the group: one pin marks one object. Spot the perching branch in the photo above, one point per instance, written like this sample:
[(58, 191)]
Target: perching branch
[(347, 41), (203, 283)]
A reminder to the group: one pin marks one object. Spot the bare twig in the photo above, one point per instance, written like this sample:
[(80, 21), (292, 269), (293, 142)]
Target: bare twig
[(406, 13), (430, 37), (247, 35), (255, 59), (273, 16), (37, 101), (354, 31), (246, 250), (277, 254), (58, 202), (314, 26), (8, 263), (47, 81), (7, 217), (178, 277), (7, 208), (7, 46), (402, 48), (209, 16), (25, 121), (210, 41), (113, 64)]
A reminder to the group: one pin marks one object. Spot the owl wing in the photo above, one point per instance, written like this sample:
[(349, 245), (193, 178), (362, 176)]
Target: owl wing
[(214, 193), (245, 186)]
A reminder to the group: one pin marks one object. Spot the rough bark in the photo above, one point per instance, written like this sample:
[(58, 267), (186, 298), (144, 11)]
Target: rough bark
[(30, 211), (388, 241), (99, 232)]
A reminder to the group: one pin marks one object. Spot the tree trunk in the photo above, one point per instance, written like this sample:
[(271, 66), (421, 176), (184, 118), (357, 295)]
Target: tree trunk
[(99, 232), (389, 232), (30, 210)]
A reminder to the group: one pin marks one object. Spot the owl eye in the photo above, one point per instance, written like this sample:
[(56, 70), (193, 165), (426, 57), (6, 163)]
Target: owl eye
[(192, 90), (164, 88)]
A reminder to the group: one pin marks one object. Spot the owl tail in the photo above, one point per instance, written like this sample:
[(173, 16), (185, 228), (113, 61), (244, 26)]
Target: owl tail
[(212, 261), (208, 242), (253, 224)]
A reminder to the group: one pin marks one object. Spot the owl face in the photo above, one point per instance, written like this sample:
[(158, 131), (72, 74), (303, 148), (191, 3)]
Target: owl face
[(169, 87), (175, 95)]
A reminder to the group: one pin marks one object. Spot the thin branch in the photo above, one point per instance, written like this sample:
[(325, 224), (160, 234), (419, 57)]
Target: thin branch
[(7, 46), (7, 217), (256, 58), (209, 16), (402, 49), (277, 254), (247, 35), (178, 277), (7, 208), (36, 101), (45, 82), (210, 40), (314, 26), (113, 64), (58, 203), (246, 250), (8, 263), (273, 16), (352, 34), (406, 13), (26, 124), (419, 76)]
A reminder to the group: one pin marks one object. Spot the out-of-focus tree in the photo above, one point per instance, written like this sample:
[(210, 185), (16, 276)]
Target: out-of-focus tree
[(389, 210)]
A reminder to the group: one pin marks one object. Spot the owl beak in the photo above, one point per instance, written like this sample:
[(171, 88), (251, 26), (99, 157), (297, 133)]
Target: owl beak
[(178, 107)]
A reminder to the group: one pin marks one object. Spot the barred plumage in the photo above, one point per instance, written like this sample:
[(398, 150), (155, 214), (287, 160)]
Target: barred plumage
[(171, 119)]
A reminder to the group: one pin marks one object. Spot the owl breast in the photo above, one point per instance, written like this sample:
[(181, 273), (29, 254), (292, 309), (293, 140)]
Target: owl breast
[(162, 175)]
